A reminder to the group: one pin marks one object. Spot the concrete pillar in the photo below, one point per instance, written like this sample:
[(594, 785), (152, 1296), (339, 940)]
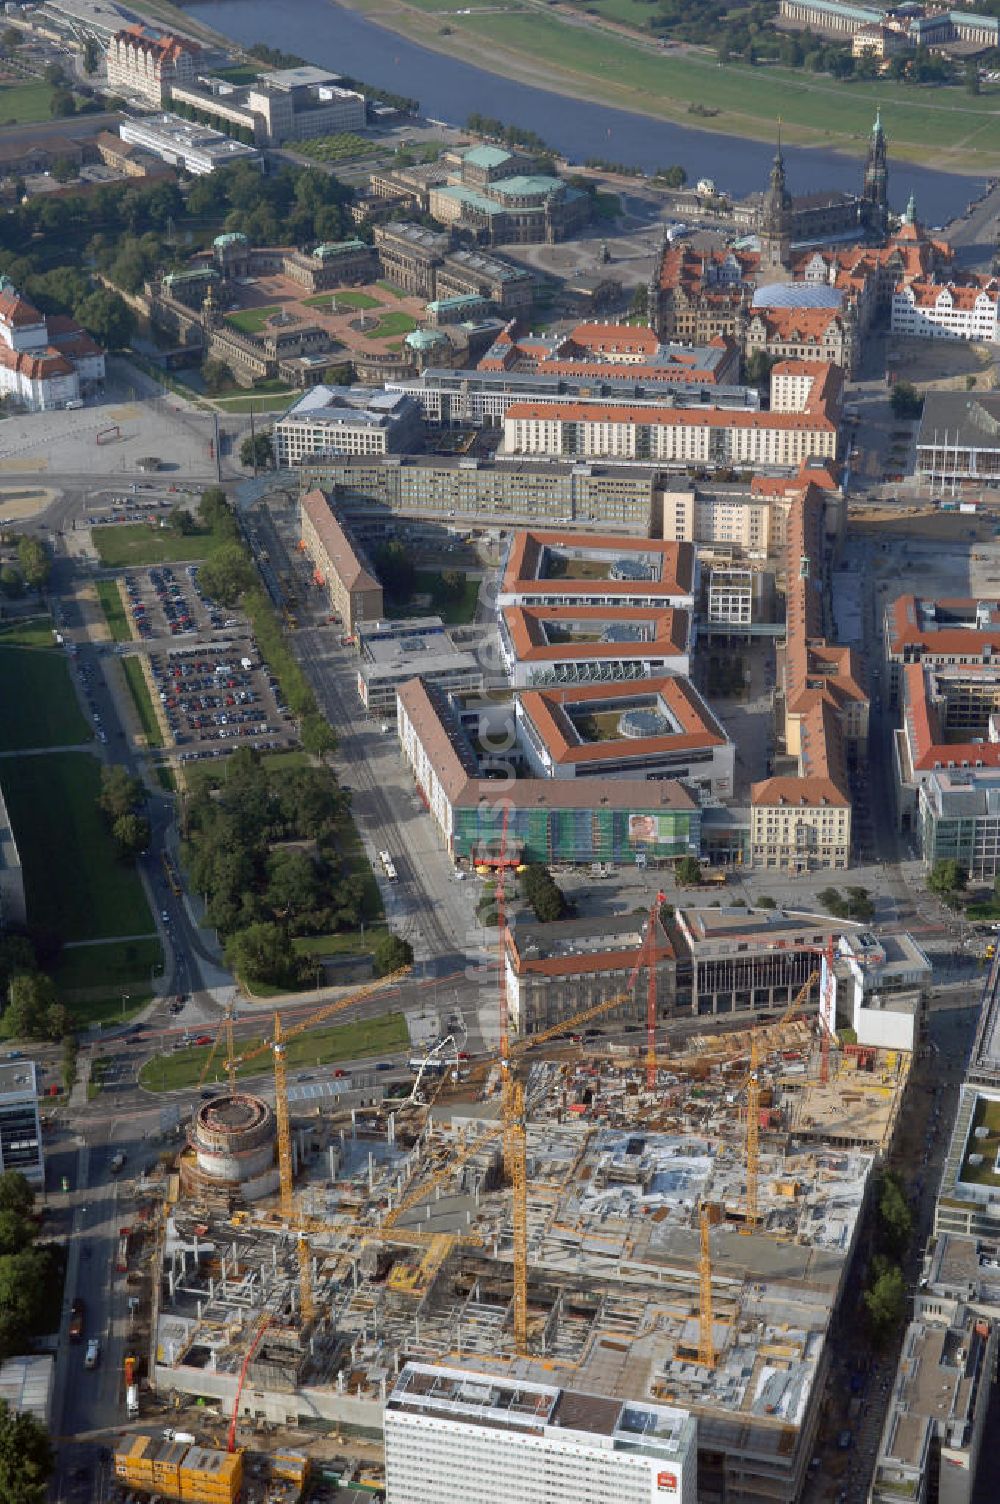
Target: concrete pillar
[(340, 1381), (354, 1122), (170, 1283), (211, 1288), (390, 1132), (333, 1159), (371, 1172), (381, 1388)]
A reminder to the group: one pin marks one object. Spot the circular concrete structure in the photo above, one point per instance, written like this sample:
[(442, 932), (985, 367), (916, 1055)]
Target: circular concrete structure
[(233, 1138)]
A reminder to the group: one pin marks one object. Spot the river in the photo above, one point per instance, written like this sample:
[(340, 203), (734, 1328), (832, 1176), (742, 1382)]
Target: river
[(450, 90)]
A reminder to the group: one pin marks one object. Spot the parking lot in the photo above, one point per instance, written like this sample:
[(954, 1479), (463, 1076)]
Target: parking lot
[(212, 694), (167, 602)]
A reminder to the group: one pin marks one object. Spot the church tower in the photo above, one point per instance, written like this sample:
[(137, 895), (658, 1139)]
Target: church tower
[(875, 193), (775, 219)]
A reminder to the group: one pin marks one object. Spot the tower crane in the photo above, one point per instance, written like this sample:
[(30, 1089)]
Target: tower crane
[(706, 1333)]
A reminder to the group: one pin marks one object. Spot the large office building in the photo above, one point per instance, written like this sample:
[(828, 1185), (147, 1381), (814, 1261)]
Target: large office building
[(646, 729), (458, 1436), (391, 652), (950, 723), (592, 644), (288, 104), (198, 149), (958, 819), (544, 569), (477, 803), (20, 1128), (336, 420)]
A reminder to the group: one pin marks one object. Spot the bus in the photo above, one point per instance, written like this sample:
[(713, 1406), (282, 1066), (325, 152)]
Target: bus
[(388, 865), (121, 1257), (170, 872)]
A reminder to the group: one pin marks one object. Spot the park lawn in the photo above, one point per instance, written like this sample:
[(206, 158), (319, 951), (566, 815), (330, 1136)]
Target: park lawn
[(347, 298), (241, 73), (114, 964), (391, 288), (115, 615), (165, 777), (251, 320), (25, 104), (279, 760), (180, 1069), (40, 704), (391, 324), (267, 403), (141, 698), (128, 544), (28, 632), (98, 1012), (814, 109), (346, 943), (75, 884)]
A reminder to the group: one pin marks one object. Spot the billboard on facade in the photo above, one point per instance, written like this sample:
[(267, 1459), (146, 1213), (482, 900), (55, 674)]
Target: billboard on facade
[(651, 830)]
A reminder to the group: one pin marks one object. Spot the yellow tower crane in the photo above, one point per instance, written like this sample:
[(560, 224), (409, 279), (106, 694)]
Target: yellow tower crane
[(706, 1334)]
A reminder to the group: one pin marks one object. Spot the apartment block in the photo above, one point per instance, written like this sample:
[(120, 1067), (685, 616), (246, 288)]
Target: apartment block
[(339, 565), (142, 65)]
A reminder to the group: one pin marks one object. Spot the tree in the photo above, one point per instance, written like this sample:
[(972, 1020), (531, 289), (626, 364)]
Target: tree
[(11, 582), (859, 904), (227, 574), (32, 994), (885, 1299), (181, 520), (391, 953), (64, 170), (688, 872), (765, 901), (131, 835), (215, 374), (257, 451), (62, 104), (16, 1194), (91, 55), (106, 315), (674, 176), (947, 878), (35, 561), (292, 885), (317, 736), (213, 508), (639, 306), (16, 1233), (894, 1215), (120, 792), (262, 953), (26, 1458), (11, 39), (905, 400)]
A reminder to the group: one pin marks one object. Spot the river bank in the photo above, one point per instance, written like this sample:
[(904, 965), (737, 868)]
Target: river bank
[(565, 51), (451, 89)]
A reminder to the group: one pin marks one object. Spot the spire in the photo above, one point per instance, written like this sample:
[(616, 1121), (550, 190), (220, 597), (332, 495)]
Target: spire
[(910, 212), (877, 127)]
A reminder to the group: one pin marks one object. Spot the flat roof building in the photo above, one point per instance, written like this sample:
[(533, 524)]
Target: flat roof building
[(958, 819), (330, 420), (455, 1436), (959, 436), (391, 652), (26, 1385), (197, 148), (20, 1129)]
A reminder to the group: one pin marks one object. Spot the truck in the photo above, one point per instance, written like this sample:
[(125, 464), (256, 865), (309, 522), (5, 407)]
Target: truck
[(117, 1162), (131, 1389), (121, 1257)]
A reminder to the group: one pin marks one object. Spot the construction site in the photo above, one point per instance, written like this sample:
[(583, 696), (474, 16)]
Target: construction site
[(676, 1229)]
